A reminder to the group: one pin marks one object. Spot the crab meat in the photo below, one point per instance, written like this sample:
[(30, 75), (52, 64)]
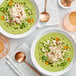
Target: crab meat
[(18, 14)]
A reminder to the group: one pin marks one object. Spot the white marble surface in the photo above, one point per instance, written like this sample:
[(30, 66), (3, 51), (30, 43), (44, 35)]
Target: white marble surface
[(5, 70)]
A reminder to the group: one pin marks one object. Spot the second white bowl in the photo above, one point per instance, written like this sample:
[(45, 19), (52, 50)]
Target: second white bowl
[(33, 52)]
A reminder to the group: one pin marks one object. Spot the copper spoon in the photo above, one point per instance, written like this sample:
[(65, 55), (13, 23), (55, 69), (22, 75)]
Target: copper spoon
[(21, 57), (44, 16)]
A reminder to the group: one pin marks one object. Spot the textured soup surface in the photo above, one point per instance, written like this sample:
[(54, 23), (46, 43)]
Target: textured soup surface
[(51, 59), (17, 28)]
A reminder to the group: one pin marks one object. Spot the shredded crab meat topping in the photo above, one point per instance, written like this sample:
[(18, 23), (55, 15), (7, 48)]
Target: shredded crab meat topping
[(55, 52), (18, 14)]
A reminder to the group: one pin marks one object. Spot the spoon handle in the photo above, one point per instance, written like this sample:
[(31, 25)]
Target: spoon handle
[(33, 69), (45, 5)]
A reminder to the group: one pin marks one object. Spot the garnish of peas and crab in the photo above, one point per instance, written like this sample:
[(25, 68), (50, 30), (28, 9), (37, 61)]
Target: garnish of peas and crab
[(53, 52)]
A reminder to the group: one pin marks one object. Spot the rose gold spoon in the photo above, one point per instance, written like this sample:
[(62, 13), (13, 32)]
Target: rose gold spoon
[(21, 57), (44, 16)]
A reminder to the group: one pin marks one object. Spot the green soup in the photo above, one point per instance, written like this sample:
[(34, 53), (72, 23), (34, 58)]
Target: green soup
[(54, 52), (17, 28)]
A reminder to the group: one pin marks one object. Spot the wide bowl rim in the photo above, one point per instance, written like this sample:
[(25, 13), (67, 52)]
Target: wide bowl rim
[(40, 69), (2, 31)]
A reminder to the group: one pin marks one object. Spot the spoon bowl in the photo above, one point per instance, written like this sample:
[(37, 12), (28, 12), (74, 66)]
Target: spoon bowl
[(20, 57), (44, 17)]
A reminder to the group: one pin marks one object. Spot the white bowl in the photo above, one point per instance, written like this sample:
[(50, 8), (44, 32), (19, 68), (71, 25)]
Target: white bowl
[(29, 31), (72, 4), (33, 52)]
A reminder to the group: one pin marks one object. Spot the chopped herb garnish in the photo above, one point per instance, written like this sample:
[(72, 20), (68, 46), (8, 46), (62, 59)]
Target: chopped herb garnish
[(22, 26)]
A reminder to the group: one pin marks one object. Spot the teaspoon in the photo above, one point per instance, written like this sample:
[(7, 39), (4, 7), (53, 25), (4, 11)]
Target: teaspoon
[(44, 16), (21, 57)]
